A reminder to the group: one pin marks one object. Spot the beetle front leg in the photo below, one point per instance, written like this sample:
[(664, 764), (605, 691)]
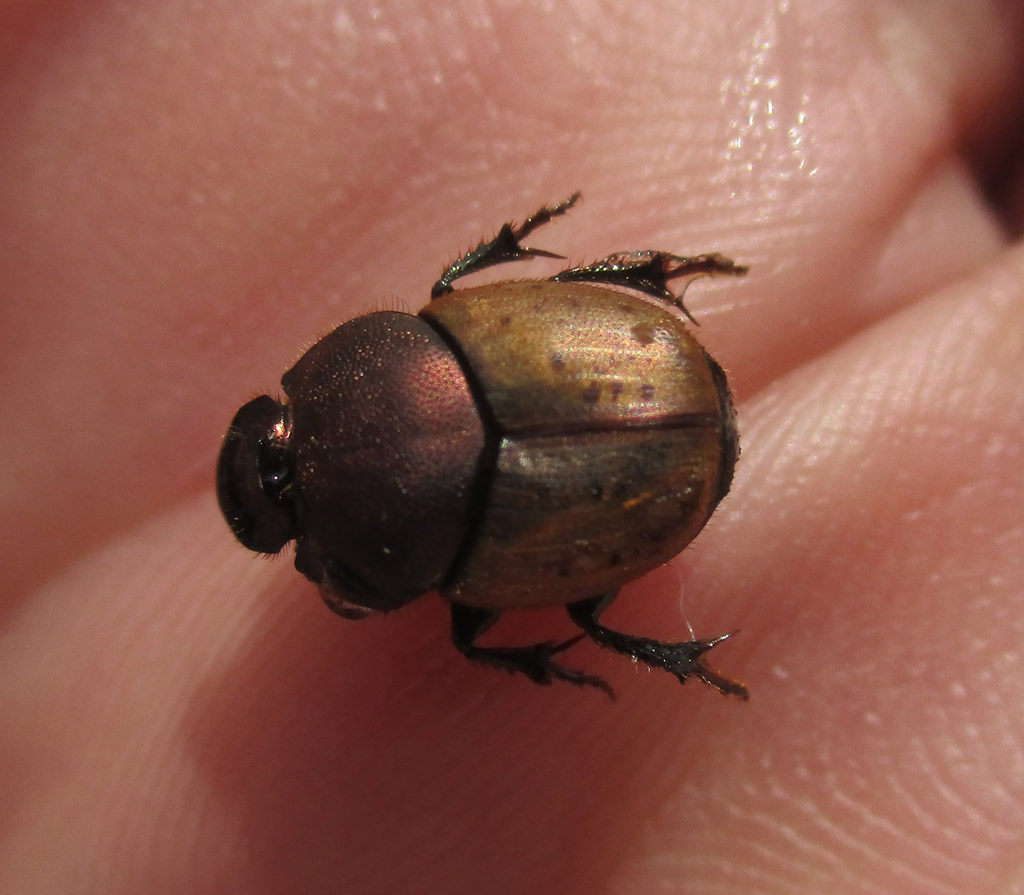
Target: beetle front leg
[(535, 661), (681, 659), (504, 247), (649, 272)]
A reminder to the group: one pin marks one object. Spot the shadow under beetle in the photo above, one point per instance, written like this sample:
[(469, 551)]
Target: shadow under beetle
[(519, 444)]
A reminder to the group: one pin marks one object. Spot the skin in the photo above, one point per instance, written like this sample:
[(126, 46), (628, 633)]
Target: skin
[(190, 193)]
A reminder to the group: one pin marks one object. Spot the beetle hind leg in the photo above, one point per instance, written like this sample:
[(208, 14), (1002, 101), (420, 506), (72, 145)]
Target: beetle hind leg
[(535, 661), (682, 659), (650, 272), (504, 247)]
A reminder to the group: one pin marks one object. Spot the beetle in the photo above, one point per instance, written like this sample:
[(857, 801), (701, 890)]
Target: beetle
[(520, 444)]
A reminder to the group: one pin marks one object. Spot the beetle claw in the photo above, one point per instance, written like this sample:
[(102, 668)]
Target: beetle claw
[(685, 659), (650, 271), (573, 676), (713, 679), (534, 661), (681, 659), (504, 247), (547, 670)]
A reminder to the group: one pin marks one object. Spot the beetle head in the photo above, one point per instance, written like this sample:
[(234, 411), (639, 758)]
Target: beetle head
[(255, 476)]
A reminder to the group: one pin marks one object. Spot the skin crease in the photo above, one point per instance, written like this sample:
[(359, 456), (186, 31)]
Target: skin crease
[(192, 192)]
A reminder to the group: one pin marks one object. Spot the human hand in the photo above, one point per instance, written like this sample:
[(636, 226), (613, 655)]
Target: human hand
[(192, 194)]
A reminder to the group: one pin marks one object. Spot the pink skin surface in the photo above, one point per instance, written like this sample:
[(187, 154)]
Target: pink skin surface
[(190, 193)]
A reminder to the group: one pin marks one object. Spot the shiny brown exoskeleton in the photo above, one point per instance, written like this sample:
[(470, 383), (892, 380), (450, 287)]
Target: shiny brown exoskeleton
[(524, 443)]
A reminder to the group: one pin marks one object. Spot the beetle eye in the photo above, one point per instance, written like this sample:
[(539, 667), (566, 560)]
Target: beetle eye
[(275, 468), (254, 476)]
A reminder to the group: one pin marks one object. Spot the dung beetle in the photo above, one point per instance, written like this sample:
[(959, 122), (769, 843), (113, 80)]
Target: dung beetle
[(520, 444)]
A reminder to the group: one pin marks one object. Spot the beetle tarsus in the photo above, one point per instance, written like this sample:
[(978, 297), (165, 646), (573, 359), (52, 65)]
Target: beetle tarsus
[(535, 661), (504, 247), (650, 272), (681, 659)]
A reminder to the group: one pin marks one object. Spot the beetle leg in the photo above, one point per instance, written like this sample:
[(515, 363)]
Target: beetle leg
[(504, 247), (649, 272), (535, 661), (681, 659)]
